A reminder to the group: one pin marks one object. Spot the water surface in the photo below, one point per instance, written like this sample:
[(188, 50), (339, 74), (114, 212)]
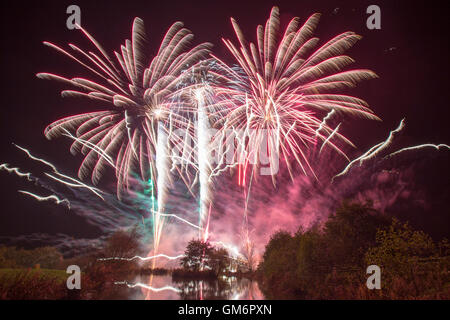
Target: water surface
[(163, 287)]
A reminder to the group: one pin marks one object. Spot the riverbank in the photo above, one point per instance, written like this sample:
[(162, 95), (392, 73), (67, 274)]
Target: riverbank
[(197, 275)]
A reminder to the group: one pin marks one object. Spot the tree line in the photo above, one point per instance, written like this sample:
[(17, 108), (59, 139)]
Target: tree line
[(330, 261)]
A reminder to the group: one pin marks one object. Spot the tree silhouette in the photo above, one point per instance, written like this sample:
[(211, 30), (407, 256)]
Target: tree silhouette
[(196, 255)]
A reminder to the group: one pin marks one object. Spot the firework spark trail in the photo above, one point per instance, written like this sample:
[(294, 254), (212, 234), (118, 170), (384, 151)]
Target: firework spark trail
[(373, 151), (329, 137), (76, 184), (221, 156), (231, 248), (421, 146), (236, 296), (324, 121), (91, 146), (99, 219), (181, 219), (204, 166), (5, 166), (145, 286), (162, 184), (201, 96), (245, 222), (36, 158), (160, 255), (108, 216), (46, 198)]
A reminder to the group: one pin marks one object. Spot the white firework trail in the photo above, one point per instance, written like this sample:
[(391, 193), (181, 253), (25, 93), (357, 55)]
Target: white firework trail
[(5, 166), (329, 138), (179, 218), (373, 151), (421, 146), (162, 165), (324, 121), (75, 183), (236, 296), (36, 158), (222, 156), (145, 286), (102, 153), (204, 166), (231, 248), (47, 198), (160, 255)]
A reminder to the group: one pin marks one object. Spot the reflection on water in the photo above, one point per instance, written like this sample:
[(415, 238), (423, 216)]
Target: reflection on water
[(225, 288)]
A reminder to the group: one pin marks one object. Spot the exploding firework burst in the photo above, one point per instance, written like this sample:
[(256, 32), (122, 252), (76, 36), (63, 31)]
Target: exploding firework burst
[(276, 99), (144, 102)]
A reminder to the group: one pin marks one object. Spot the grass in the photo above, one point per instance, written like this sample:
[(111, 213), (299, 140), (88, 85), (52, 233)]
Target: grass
[(33, 284), (8, 275)]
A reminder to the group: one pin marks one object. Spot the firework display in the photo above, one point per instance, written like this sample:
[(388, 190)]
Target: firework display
[(275, 101), (216, 148)]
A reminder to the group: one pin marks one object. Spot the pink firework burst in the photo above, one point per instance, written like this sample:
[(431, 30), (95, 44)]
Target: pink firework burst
[(283, 86), (143, 98)]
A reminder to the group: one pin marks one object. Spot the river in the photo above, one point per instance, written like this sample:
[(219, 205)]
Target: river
[(163, 287)]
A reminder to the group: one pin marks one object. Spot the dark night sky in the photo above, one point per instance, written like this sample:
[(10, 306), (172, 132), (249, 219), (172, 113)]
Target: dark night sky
[(413, 77)]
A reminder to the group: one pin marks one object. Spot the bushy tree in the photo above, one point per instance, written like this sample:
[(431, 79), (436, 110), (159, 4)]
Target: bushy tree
[(329, 262), (200, 255), (218, 260), (311, 256), (123, 244), (412, 265), (294, 265), (350, 232), (279, 264), (196, 255), (400, 248)]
